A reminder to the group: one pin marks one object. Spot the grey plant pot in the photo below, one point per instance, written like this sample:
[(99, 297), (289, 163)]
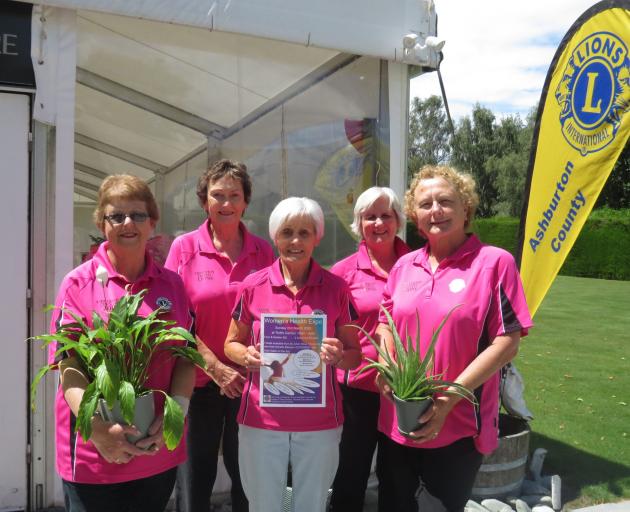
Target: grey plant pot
[(408, 412), (144, 414)]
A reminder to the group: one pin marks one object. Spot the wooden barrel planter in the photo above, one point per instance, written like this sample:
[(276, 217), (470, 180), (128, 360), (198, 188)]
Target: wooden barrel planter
[(502, 472)]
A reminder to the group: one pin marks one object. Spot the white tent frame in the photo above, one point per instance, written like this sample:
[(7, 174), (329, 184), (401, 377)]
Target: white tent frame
[(348, 28)]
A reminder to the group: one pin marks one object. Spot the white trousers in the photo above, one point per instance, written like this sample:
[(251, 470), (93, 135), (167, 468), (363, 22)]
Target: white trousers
[(263, 458)]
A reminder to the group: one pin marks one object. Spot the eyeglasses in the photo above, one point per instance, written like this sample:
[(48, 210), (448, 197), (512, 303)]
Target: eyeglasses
[(115, 219)]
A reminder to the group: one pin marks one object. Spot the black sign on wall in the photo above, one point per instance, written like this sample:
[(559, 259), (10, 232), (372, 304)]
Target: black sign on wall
[(16, 68)]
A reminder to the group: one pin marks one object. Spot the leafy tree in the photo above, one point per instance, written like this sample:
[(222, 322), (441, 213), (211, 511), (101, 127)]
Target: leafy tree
[(429, 133), (473, 144), (510, 169), (496, 154)]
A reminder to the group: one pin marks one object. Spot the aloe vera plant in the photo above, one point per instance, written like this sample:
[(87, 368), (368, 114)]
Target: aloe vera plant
[(115, 356), (410, 375)]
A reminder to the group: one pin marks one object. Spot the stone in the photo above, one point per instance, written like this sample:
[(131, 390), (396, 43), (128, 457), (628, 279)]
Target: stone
[(542, 508), (532, 499), (473, 506), (494, 505), (521, 506), (556, 492)]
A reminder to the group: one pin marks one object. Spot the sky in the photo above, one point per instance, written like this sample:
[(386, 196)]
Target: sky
[(497, 52)]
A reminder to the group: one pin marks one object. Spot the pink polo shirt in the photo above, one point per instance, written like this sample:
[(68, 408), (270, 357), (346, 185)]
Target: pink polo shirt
[(366, 287), (212, 283), (83, 294), (266, 292), (485, 280)]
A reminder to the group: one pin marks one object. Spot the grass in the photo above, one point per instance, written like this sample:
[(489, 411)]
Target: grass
[(576, 366)]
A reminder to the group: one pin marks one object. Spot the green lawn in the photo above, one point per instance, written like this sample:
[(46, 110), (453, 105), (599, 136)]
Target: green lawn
[(576, 366)]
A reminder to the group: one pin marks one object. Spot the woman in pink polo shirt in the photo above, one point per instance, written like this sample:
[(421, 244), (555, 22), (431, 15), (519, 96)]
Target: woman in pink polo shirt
[(377, 218), (294, 415), (108, 472), (213, 261), (477, 341)]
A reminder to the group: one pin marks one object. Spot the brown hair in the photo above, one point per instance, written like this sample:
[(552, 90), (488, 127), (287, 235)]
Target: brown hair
[(463, 183), (127, 187), (219, 169)]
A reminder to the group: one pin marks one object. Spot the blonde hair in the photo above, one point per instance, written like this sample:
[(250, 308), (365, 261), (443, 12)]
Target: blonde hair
[(126, 187), (463, 183)]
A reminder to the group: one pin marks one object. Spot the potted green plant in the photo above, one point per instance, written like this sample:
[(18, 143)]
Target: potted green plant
[(411, 376), (115, 357)]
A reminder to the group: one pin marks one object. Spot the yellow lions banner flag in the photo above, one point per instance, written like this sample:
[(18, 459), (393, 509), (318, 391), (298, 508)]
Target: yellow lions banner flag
[(582, 126)]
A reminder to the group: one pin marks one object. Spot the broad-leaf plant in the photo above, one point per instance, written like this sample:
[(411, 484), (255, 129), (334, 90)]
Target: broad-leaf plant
[(115, 356)]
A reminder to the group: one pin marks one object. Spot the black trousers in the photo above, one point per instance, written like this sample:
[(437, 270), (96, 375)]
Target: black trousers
[(149, 494), (448, 473), (358, 441), (211, 417)]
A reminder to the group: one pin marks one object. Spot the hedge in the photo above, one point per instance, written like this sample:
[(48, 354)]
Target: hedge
[(602, 249)]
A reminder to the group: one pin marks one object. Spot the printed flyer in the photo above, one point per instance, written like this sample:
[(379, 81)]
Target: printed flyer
[(292, 373)]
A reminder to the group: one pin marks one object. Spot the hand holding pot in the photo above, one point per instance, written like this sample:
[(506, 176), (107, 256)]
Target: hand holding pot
[(111, 442), (154, 442), (383, 387), (433, 419)]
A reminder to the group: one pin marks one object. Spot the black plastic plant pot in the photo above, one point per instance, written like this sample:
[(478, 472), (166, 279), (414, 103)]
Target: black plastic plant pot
[(144, 414), (408, 412)]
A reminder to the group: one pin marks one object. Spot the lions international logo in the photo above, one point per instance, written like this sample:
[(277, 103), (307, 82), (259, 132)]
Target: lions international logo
[(594, 92), (164, 304)]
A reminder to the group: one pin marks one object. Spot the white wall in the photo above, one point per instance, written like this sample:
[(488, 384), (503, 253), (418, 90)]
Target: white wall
[(14, 172)]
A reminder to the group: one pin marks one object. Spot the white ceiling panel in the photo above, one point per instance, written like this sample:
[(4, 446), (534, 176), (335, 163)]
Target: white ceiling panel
[(119, 124), (107, 164), (220, 77)]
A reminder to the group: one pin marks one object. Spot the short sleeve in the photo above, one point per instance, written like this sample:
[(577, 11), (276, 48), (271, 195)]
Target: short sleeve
[(508, 311), (241, 312), (173, 258), (66, 302), (188, 319), (347, 312), (386, 301)]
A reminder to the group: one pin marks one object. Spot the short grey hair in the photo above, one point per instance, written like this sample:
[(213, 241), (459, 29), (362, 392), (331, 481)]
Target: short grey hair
[(368, 198), (292, 207)]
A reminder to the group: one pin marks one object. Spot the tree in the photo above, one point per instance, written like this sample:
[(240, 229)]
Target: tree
[(473, 143), (429, 133), (496, 154), (510, 169)]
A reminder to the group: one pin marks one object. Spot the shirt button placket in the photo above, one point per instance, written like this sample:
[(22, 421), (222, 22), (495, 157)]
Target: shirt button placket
[(429, 291)]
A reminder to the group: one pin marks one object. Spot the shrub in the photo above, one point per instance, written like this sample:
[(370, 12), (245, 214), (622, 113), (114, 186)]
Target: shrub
[(601, 250)]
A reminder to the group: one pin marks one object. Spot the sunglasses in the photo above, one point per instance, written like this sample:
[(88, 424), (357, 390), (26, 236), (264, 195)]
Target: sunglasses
[(115, 219)]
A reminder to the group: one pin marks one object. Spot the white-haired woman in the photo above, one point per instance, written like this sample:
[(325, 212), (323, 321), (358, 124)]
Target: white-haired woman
[(377, 218), (307, 437)]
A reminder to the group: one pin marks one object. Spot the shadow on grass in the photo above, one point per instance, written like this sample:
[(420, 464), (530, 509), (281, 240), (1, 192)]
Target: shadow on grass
[(585, 477)]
